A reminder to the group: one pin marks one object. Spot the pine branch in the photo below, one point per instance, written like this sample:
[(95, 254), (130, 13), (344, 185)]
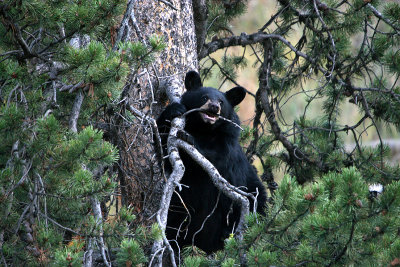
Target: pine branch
[(379, 15), (8, 23), (341, 254), (264, 94), (245, 39), (59, 225)]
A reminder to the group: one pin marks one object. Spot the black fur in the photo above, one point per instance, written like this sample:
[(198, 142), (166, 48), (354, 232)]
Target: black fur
[(218, 142)]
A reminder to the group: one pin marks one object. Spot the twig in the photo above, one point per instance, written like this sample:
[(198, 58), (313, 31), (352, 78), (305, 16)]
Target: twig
[(59, 225), (273, 18), (22, 217), (379, 15), (43, 192), (168, 4), (205, 219), (316, 8), (71, 88), (219, 117), (155, 254), (338, 257), (22, 180), (154, 128)]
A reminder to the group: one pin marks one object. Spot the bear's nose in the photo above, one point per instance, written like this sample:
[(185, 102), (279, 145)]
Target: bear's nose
[(214, 108)]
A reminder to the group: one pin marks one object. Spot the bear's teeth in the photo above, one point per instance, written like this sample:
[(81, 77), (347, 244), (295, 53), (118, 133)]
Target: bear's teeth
[(208, 117)]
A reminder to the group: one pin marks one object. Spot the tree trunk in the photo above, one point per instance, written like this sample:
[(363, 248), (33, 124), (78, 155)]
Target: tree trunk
[(141, 176)]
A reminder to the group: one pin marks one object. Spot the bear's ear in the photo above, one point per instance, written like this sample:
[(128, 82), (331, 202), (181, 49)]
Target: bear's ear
[(192, 80), (235, 95)]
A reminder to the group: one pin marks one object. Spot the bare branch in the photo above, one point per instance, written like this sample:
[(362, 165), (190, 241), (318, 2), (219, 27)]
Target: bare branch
[(168, 4), (172, 89), (76, 109), (27, 167), (59, 225), (97, 214), (379, 15), (264, 94), (245, 39), (124, 28), (175, 177), (88, 255), (7, 22), (221, 183)]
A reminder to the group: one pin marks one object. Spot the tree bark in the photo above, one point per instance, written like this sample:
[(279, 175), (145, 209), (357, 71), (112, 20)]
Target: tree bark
[(140, 173)]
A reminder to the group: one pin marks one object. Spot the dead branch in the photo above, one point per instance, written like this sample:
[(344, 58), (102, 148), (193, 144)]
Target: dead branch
[(234, 193), (172, 87), (173, 90), (124, 28), (76, 109), (246, 39), (99, 223), (265, 74)]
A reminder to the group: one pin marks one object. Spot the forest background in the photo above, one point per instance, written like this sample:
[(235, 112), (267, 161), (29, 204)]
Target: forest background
[(249, 22)]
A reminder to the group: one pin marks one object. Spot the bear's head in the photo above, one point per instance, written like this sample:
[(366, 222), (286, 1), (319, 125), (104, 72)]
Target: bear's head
[(213, 103)]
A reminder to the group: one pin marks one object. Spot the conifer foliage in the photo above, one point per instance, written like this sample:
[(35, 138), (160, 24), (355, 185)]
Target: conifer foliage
[(61, 72), (337, 204)]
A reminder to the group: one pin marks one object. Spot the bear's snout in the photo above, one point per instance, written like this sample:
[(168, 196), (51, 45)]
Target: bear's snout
[(211, 111), (214, 107)]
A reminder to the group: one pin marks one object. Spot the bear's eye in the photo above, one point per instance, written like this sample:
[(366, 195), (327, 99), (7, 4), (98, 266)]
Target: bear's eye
[(204, 98), (221, 102)]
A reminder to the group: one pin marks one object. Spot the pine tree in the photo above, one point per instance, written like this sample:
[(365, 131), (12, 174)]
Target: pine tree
[(61, 74), (335, 206)]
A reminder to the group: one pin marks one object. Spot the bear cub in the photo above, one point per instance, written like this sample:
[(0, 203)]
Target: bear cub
[(207, 216)]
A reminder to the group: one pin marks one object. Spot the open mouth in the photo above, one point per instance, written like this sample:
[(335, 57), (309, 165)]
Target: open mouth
[(209, 117)]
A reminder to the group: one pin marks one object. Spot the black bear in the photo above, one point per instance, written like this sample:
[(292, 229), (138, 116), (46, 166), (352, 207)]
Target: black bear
[(208, 216)]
